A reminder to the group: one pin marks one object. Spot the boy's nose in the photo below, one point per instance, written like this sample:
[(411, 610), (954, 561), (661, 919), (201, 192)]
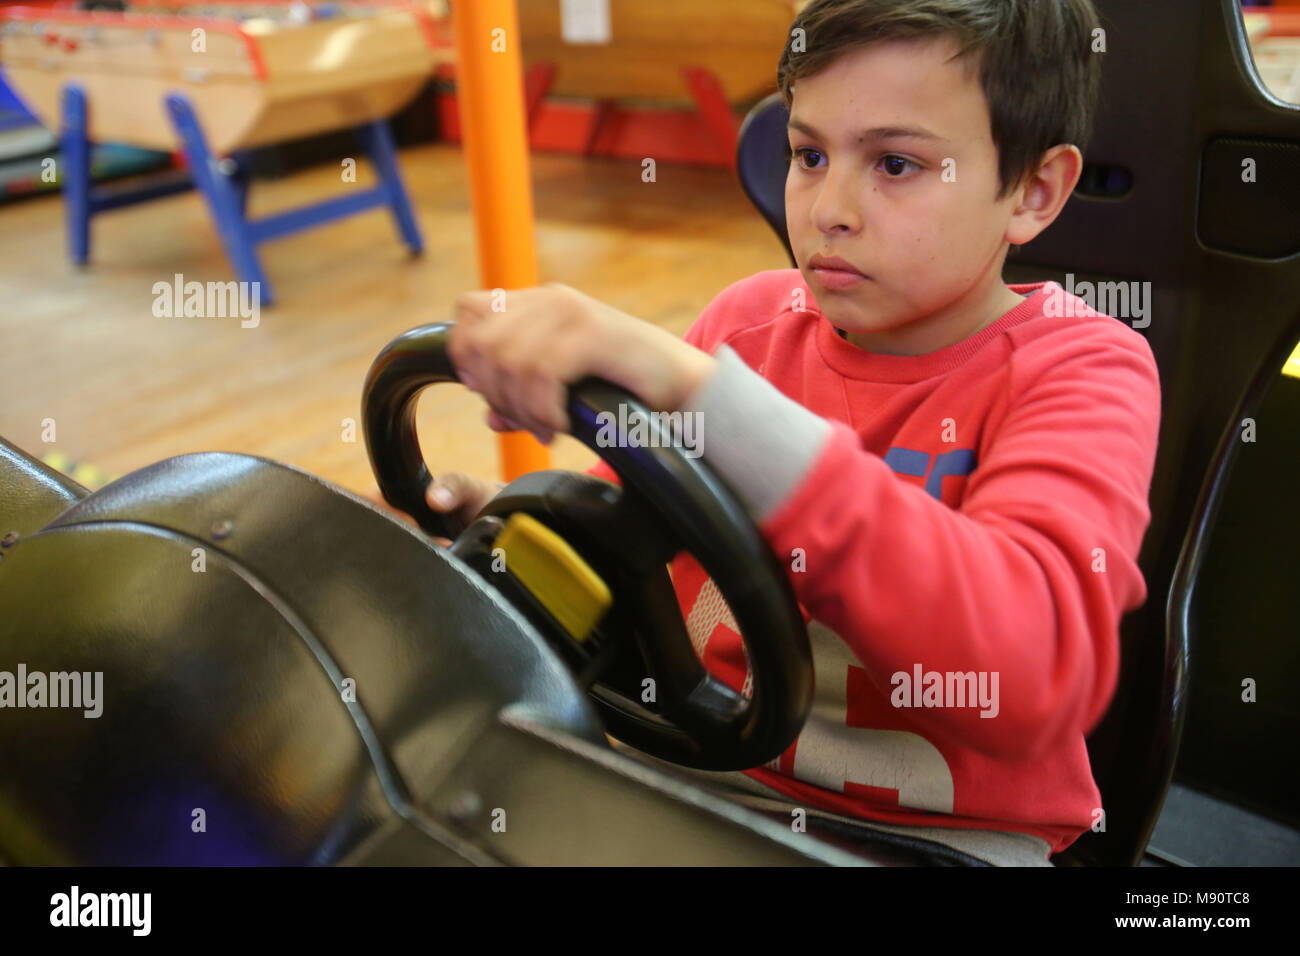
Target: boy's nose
[(837, 207)]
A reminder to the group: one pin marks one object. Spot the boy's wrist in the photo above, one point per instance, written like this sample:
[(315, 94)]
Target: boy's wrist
[(695, 368), (658, 367)]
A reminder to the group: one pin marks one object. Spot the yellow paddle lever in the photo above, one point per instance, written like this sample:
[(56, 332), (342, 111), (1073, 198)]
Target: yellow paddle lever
[(554, 573)]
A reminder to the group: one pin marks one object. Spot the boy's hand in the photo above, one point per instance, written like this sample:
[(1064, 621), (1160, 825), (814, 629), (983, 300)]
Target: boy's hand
[(523, 358), (461, 496)]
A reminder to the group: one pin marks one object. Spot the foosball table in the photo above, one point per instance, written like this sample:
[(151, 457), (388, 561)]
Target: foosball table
[(212, 81)]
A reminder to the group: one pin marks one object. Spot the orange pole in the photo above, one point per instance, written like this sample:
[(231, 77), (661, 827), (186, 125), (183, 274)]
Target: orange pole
[(490, 93)]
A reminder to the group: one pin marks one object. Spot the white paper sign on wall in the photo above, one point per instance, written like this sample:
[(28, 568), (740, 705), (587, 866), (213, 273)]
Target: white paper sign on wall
[(585, 21)]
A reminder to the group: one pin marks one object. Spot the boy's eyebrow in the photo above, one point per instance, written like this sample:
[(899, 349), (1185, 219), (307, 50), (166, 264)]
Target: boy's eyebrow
[(880, 132)]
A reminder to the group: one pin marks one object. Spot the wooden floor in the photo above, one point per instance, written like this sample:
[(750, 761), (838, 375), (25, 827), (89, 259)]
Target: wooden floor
[(126, 389)]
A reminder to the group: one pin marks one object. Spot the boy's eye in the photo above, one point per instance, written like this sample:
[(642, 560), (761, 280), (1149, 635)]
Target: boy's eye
[(895, 166), (804, 153)]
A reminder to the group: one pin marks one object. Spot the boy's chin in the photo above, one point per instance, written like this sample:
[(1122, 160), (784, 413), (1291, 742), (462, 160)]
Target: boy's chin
[(851, 320), (857, 324)]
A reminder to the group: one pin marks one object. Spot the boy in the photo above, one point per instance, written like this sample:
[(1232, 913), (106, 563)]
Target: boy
[(963, 465)]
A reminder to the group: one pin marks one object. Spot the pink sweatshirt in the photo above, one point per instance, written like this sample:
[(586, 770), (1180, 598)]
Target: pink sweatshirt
[(961, 529)]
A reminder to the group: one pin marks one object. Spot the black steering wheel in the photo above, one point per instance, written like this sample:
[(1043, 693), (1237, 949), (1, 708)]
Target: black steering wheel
[(640, 668)]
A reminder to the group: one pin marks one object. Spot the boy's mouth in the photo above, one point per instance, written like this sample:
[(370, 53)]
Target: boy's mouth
[(835, 273)]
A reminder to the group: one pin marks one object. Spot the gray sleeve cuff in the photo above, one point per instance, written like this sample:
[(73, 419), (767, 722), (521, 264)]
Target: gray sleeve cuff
[(760, 441)]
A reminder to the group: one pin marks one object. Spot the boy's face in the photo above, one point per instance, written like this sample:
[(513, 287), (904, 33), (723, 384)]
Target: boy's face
[(862, 189)]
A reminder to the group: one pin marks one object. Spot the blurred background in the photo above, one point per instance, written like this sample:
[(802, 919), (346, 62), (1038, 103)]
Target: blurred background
[(81, 344)]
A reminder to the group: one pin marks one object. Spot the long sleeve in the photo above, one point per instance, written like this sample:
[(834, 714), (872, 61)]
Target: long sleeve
[(1011, 582)]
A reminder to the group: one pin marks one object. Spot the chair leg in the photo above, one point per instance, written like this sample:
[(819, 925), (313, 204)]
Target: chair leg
[(711, 101), (242, 178), (604, 112), (377, 140), (224, 198), (76, 173), (537, 83)]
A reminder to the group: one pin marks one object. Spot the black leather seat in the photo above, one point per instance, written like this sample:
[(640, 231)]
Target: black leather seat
[(1162, 200), (31, 492), (274, 689), (763, 162)]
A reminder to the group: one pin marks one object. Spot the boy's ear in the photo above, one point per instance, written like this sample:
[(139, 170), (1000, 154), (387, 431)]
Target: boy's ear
[(1044, 194)]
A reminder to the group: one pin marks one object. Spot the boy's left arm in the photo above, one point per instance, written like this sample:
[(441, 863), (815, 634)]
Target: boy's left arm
[(1028, 578)]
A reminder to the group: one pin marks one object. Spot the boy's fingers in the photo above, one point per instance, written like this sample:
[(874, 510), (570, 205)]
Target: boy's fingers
[(472, 305), (499, 423), (447, 491)]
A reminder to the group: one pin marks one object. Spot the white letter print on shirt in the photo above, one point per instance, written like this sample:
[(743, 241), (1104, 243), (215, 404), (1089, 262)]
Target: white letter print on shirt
[(829, 753)]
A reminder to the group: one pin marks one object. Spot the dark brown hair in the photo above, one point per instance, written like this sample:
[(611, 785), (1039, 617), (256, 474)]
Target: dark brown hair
[(1035, 59)]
